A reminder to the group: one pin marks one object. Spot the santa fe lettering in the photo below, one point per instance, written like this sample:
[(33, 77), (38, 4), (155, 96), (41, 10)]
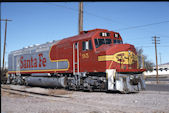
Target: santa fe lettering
[(33, 62)]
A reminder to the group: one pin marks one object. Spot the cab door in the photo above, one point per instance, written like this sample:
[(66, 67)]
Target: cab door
[(86, 56), (76, 66)]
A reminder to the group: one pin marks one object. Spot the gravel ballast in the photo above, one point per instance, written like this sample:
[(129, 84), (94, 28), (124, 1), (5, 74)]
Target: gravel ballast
[(84, 102)]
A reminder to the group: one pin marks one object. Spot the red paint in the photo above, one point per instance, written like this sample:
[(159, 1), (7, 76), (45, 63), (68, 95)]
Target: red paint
[(64, 50), (32, 62), (42, 60)]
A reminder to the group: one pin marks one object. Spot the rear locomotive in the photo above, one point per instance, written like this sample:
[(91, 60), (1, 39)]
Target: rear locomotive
[(93, 60)]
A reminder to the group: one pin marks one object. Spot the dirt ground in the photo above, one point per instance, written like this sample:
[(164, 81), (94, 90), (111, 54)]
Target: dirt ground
[(63, 101)]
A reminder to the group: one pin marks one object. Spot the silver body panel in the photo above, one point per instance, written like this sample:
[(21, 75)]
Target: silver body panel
[(15, 61)]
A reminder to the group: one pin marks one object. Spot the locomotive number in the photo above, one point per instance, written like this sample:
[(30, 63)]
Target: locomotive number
[(85, 55)]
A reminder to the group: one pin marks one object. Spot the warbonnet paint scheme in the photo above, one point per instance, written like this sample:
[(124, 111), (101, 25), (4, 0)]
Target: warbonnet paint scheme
[(93, 60)]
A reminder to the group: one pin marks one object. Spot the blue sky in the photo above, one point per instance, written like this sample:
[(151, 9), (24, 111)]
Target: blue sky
[(38, 23)]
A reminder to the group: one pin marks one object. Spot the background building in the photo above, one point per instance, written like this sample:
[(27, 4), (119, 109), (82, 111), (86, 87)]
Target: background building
[(163, 69)]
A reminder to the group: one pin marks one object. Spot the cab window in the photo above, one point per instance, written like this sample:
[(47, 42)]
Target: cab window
[(87, 45), (99, 42), (117, 42), (90, 45)]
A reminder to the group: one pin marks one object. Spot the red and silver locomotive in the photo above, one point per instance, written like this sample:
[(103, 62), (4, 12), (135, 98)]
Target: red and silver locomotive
[(93, 60)]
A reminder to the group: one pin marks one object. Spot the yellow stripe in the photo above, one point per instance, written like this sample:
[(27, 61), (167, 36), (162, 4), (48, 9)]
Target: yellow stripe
[(38, 70), (126, 57), (47, 69), (58, 60), (49, 53), (105, 58)]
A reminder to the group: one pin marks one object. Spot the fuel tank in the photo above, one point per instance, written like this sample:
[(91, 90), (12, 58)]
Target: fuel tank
[(47, 82)]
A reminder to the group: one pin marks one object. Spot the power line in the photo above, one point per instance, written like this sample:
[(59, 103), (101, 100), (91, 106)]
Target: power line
[(164, 36), (134, 27), (89, 13), (110, 20), (151, 46), (139, 40), (143, 42)]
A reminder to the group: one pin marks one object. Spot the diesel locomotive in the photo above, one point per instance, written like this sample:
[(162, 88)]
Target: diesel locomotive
[(93, 60)]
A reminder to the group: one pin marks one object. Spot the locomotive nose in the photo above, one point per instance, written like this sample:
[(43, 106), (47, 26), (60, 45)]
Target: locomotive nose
[(121, 53), (125, 54), (123, 47), (120, 48)]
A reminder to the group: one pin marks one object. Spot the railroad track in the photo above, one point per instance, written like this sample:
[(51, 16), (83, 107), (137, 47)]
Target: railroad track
[(62, 98), (87, 102), (100, 106), (30, 93)]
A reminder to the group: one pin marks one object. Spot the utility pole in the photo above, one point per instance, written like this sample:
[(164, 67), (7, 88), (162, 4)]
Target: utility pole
[(155, 42), (80, 17), (6, 20)]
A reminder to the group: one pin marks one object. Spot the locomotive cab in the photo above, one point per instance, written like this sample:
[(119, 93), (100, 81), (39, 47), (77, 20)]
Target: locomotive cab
[(105, 52)]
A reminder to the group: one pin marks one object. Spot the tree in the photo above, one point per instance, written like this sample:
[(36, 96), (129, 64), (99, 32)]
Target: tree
[(3, 76), (147, 64)]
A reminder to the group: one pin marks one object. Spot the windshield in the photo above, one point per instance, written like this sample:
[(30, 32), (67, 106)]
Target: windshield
[(99, 42), (117, 42)]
